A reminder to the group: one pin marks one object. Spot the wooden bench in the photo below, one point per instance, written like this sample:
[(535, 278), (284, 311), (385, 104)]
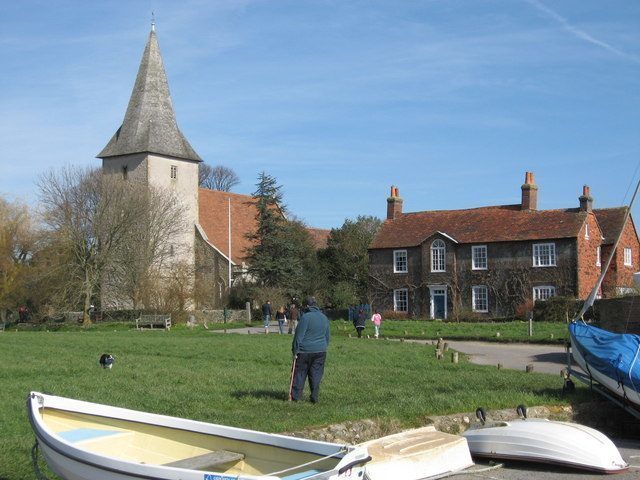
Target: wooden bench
[(154, 321), (207, 461)]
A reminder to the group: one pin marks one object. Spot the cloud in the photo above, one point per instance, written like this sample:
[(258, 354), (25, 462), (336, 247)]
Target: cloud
[(581, 34)]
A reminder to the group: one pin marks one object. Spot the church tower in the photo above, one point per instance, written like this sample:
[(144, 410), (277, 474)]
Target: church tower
[(150, 148)]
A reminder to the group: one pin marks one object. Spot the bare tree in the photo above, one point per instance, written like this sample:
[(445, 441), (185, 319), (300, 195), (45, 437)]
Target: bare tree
[(150, 251), (217, 178), (103, 231)]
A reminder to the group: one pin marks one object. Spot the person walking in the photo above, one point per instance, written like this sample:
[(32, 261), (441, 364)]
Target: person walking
[(376, 318), (309, 347), (293, 317), (281, 318), (359, 322), (266, 315)]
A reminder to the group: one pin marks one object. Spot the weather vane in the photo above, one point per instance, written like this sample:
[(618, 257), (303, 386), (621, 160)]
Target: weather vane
[(153, 21)]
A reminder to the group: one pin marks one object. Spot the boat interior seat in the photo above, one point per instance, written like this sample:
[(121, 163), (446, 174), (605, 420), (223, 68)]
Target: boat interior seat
[(301, 475), (207, 461)]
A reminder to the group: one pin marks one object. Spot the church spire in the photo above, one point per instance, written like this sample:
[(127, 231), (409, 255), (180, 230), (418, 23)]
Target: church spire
[(149, 124)]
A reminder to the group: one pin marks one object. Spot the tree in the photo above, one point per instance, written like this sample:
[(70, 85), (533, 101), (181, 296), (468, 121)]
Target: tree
[(346, 258), (17, 243), (282, 252), (102, 230), (217, 178)]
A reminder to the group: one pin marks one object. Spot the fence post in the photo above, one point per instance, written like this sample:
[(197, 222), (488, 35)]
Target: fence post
[(531, 324)]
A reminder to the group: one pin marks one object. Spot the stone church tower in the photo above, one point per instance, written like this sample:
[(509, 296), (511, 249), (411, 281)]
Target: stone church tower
[(150, 148)]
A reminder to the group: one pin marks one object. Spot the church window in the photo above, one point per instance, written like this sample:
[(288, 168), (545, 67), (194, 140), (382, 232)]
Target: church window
[(124, 172), (174, 172)]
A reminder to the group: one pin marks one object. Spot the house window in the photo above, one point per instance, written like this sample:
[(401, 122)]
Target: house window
[(401, 300), (479, 257), (480, 299), (598, 256), (627, 257), (174, 172), (399, 261), (586, 232), (438, 253), (544, 254), (543, 293)]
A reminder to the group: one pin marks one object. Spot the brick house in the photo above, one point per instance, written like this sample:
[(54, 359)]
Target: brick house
[(496, 261)]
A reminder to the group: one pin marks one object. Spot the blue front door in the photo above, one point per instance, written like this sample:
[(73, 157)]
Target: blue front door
[(438, 302)]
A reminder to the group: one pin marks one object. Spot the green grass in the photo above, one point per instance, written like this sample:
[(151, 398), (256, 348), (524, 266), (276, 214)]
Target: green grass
[(517, 331), (242, 380)]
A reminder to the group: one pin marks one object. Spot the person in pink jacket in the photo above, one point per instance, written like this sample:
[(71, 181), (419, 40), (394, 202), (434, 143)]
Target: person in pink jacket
[(376, 318)]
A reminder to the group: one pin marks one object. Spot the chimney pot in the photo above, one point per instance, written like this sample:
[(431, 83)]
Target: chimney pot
[(586, 201)]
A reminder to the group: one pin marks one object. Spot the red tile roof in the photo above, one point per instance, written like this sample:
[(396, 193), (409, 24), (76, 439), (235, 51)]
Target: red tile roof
[(479, 225), (610, 221), (319, 237), (214, 219)]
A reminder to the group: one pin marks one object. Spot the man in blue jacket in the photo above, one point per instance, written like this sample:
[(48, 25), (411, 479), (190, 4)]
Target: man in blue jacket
[(309, 346)]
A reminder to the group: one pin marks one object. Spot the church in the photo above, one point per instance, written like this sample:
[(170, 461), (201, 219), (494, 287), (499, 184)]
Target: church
[(150, 148)]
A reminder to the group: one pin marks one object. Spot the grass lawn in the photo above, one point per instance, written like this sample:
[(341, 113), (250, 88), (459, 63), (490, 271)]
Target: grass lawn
[(242, 380), (517, 331)]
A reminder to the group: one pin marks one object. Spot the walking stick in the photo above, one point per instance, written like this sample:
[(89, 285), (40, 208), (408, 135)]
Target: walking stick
[(293, 370)]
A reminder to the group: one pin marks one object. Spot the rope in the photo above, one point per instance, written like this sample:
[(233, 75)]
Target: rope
[(36, 467), (342, 450)]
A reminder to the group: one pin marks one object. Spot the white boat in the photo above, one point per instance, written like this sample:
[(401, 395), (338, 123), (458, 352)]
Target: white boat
[(417, 454), (546, 441), (88, 441)]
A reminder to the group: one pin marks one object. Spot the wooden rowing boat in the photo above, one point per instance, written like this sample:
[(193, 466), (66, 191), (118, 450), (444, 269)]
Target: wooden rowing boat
[(88, 441)]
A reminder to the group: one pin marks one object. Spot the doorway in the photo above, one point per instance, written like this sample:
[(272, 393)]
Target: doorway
[(438, 301)]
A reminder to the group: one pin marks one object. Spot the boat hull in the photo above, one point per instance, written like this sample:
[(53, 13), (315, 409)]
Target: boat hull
[(544, 441), (612, 360), (417, 454), (88, 441)]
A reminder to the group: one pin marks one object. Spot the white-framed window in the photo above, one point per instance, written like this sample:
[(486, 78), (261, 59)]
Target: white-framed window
[(401, 300), (479, 257), (480, 298), (627, 257), (598, 256), (438, 255), (544, 254), (400, 261), (174, 172), (543, 292), (586, 231)]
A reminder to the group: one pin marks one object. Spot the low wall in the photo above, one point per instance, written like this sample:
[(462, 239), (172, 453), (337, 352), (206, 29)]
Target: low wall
[(218, 316), (620, 315)]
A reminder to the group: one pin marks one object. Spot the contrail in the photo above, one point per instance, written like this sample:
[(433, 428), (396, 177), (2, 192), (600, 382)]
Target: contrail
[(580, 33)]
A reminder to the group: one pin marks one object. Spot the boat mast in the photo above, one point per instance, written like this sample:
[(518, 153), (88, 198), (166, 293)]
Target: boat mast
[(592, 296)]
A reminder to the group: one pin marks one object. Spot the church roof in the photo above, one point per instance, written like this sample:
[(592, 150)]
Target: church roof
[(149, 124)]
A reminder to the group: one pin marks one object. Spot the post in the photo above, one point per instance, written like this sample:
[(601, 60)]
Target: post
[(529, 368), (247, 307), (454, 357), (530, 314)]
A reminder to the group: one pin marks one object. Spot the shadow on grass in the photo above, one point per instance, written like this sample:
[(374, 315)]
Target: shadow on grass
[(262, 394)]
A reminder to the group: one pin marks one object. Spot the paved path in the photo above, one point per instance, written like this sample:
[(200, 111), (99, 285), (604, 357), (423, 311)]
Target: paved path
[(516, 356)]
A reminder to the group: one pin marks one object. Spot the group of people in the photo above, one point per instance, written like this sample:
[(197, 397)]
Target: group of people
[(282, 316), (359, 322)]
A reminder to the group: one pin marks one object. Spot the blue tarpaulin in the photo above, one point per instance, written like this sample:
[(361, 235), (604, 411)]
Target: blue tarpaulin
[(616, 355)]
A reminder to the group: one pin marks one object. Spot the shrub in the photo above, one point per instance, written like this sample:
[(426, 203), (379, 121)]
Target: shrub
[(556, 309)]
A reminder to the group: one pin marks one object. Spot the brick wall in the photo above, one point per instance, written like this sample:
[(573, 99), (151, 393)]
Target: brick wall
[(620, 275), (588, 270), (620, 315)]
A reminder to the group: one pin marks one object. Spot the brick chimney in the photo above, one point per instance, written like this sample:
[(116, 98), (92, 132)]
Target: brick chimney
[(394, 204), (586, 200), (529, 193)]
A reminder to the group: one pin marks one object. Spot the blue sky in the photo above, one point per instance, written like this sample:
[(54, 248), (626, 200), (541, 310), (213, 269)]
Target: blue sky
[(450, 100)]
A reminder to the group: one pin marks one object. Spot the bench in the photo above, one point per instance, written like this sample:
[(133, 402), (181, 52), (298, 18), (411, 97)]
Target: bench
[(207, 461), (154, 321)]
